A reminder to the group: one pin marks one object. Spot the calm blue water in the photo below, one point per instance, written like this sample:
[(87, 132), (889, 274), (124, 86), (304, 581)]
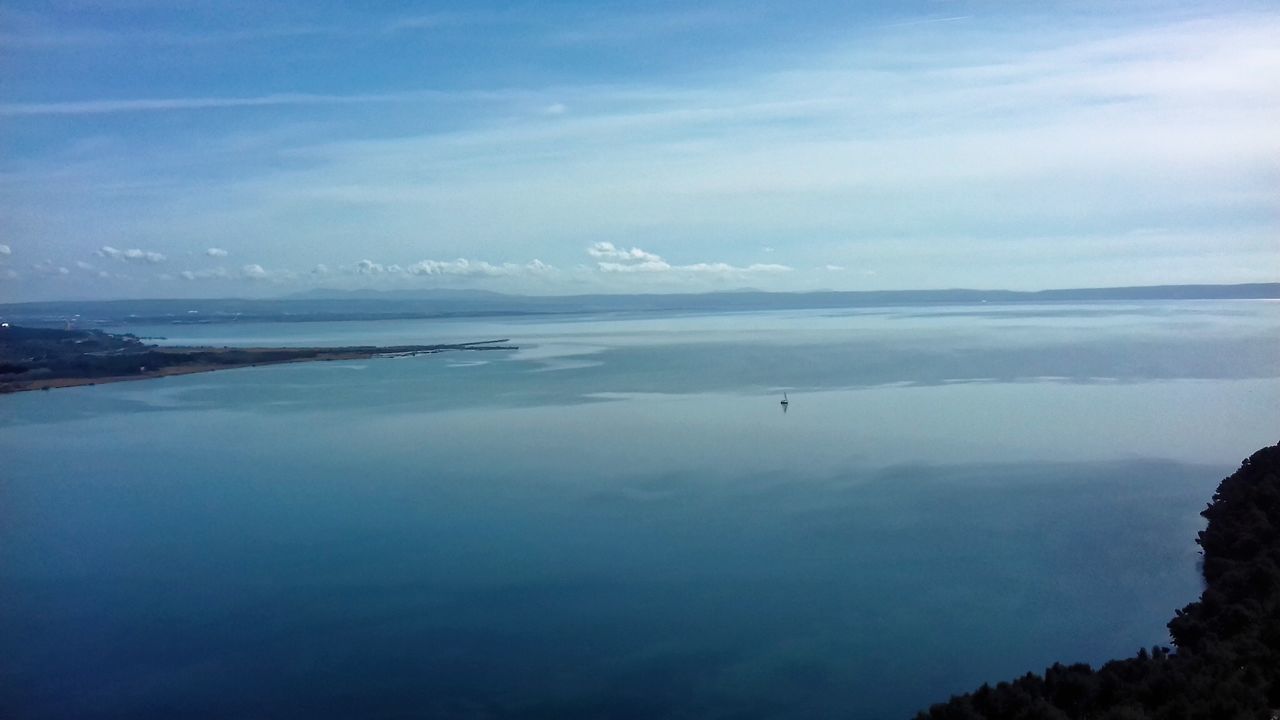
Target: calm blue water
[(618, 520)]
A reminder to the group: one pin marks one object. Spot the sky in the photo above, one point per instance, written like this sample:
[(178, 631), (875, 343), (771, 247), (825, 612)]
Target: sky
[(204, 148)]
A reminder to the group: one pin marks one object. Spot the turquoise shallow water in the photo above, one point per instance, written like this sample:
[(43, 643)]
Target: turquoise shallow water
[(617, 520)]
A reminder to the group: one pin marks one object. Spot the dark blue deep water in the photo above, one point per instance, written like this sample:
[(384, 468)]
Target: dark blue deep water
[(618, 520)]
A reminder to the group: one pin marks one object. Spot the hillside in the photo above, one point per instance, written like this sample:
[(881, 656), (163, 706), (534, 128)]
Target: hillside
[(1226, 661)]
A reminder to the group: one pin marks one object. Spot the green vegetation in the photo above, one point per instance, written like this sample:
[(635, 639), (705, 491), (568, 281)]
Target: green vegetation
[(34, 353), (41, 358), (1227, 660)]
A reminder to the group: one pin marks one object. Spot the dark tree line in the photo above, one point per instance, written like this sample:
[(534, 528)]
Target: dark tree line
[(1226, 661)]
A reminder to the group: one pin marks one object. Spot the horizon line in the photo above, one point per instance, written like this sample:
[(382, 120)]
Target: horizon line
[(745, 291)]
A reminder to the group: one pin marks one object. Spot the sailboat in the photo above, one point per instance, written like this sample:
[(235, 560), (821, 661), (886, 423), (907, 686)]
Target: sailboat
[(785, 402)]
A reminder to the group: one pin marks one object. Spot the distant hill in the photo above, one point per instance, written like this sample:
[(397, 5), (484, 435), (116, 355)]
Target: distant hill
[(421, 294), (331, 305)]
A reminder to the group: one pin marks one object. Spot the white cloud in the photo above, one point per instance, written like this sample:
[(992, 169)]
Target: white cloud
[(320, 270), (48, 268), (206, 274), (617, 267), (216, 252), (143, 255), (462, 267), (834, 268), (636, 260), (4, 250), (538, 267), (254, 271), (131, 255), (607, 250), (84, 265), (555, 109), (257, 273)]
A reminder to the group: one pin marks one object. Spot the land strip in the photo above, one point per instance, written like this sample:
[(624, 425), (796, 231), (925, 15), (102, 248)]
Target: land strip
[(42, 359)]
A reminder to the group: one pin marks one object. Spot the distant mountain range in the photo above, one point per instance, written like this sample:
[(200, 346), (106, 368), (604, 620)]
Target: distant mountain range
[(420, 294), (331, 305)]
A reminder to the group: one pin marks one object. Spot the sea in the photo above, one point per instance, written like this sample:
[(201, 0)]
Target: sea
[(619, 519)]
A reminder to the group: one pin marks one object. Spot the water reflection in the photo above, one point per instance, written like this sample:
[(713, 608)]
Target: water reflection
[(636, 533)]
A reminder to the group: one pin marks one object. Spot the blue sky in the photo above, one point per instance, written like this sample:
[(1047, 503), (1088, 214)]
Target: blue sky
[(195, 148)]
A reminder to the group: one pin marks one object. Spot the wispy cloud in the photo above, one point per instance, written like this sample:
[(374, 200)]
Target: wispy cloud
[(48, 268), (635, 26), (928, 21), (98, 107), (257, 273), (451, 20), (567, 26), (981, 144), (72, 38), (131, 255), (222, 273)]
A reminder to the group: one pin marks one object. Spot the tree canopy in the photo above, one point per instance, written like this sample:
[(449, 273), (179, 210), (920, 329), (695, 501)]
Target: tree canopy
[(1225, 663)]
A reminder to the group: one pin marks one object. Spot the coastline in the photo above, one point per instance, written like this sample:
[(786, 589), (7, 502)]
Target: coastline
[(177, 360)]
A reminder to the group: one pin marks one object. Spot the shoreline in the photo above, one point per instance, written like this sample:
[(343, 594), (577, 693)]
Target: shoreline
[(191, 360)]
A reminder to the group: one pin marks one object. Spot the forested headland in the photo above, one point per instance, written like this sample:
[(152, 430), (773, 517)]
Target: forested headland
[(1225, 660)]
